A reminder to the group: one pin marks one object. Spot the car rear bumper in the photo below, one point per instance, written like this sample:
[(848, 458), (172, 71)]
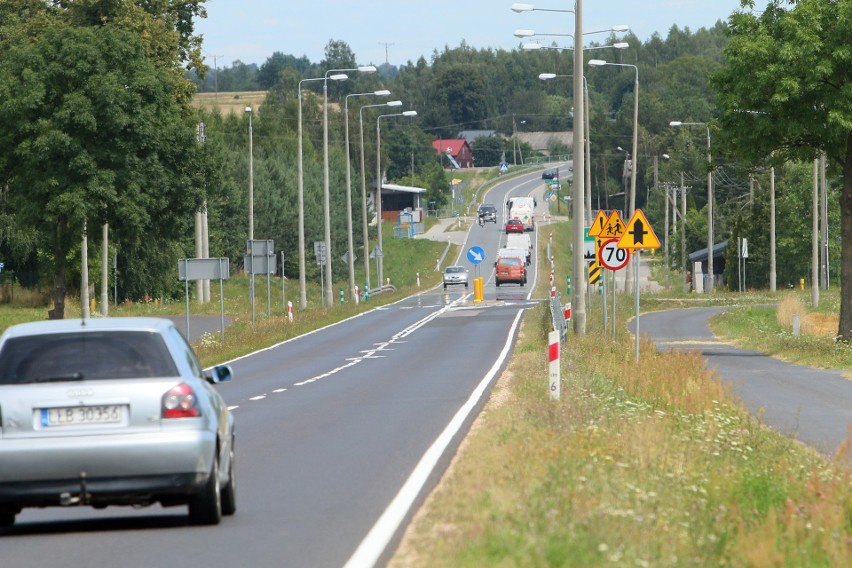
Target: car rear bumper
[(33, 470), (129, 490)]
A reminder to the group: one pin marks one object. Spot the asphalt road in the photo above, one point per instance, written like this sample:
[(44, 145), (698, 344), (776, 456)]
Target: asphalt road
[(809, 404), (341, 433)]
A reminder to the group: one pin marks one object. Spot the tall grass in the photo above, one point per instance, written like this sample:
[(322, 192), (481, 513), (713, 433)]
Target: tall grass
[(648, 464)]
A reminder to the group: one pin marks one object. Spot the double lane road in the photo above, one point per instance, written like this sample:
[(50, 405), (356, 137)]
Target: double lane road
[(341, 433)]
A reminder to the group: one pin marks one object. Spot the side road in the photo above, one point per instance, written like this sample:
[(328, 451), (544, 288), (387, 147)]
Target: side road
[(809, 404)]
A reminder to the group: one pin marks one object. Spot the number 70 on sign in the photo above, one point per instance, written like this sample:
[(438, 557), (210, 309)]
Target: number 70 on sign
[(612, 256)]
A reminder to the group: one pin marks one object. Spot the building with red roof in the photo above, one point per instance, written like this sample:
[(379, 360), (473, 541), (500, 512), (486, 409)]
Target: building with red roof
[(457, 150)]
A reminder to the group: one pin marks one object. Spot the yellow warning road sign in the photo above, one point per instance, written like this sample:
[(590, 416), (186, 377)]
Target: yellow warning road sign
[(614, 226), (598, 224), (638, 234)]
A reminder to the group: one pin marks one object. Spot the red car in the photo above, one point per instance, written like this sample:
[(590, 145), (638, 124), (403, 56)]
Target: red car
[(514, 226)]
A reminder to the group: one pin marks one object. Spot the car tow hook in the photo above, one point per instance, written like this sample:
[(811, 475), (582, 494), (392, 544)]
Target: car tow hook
[(68, 500)]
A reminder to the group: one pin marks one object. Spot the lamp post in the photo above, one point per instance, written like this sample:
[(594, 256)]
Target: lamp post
[(537, 46), (587, 145), (625, 177), (633, 164), (303, 299), (251, 207), (364, 186), (251, 178), (614, 29), (633, 168), (351, 250), (676, 123), (326, 194), (578, 299), (379, 259)]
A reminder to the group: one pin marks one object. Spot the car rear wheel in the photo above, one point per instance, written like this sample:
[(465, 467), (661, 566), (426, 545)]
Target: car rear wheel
[(7, 515), (205, 507), (229, 492)]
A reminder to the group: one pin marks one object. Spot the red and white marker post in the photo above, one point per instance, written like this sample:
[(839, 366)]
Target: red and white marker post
[(553, 338)]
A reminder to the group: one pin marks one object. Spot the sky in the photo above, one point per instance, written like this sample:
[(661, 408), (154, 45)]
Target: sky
[(400, 31)]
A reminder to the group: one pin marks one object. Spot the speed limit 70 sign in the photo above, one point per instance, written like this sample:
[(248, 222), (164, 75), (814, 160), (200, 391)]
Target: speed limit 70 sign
[(612, 256)]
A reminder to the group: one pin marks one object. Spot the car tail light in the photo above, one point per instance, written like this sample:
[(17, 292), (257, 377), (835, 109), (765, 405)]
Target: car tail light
[(180, 402)]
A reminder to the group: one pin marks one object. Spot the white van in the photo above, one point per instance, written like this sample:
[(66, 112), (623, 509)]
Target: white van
[(521, 253)]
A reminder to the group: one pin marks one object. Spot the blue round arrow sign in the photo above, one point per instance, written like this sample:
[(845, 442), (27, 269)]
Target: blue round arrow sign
[(475, 254)]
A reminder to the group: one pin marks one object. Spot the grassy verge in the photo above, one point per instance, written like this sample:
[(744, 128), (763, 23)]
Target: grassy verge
[(649, 464)]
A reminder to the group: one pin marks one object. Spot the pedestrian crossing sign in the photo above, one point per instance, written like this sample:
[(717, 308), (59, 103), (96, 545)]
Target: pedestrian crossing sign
[(614, 226), (638, 234)]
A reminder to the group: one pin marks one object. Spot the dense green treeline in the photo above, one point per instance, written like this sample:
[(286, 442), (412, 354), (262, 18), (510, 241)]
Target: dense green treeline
[(463, 88), (118, 143)]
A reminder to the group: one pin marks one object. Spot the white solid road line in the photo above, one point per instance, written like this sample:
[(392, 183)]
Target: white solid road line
[(374, 544)]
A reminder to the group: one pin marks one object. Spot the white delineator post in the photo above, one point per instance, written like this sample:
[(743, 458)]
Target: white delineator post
[(553, 338)]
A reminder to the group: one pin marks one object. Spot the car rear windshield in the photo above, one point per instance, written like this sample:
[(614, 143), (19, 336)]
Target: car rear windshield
[(511, 261), (455, 269), (86, 355)]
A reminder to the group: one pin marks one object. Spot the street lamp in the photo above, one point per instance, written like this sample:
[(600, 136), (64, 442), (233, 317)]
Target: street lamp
[(251, 178), (614, 29), (251, 207), (633, 168), (578, 299), (351, 250), (364, 187), (518, 7), (537, 46), (633, 163), (303, 299), (379, 255), (329, 292), (675, 123), (587, 144)]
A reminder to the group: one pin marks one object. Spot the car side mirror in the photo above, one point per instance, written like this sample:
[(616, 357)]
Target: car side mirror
[(220, 374)]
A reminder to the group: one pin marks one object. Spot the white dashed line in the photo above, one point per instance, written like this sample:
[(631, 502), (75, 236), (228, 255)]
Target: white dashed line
[(371, 353)]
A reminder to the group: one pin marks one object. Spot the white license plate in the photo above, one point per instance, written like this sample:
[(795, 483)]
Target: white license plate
[(82, 415)]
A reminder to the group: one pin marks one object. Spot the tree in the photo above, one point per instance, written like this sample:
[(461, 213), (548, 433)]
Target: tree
[(487, 151), (785, 94), (95, 131)]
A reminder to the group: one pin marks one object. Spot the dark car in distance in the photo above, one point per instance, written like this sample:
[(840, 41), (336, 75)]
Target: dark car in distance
[(487, 213), (552, 173)]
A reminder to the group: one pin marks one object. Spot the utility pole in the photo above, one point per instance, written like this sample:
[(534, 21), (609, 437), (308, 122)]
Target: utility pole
[(824, 222), (216, 74)]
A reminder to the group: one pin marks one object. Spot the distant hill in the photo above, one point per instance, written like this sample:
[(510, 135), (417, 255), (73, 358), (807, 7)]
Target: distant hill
[(229, 102)]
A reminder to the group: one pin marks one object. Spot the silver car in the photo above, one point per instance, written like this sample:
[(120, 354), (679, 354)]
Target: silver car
[(455, 275), (112, 411)]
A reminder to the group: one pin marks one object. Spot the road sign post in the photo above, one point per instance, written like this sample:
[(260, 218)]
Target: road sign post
[(205, 269), (638, 235)]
